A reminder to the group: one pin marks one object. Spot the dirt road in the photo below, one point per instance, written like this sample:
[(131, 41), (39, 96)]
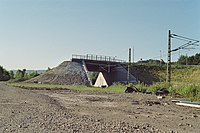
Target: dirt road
[(68, 111)]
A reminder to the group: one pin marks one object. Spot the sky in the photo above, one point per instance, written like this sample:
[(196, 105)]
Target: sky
[(37, 34)]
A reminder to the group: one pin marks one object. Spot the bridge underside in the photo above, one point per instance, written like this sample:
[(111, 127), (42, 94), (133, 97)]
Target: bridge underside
[(99, 66), (110, 72)]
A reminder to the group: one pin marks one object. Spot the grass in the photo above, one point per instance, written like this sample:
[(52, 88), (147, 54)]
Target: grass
[(32, 85), (152, 88), (188, 91), (186, 82), (113, 88), (182, 74), (118, 88)]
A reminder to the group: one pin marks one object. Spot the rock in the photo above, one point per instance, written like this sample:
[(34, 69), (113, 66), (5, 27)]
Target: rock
[(160, 97), (131, 90), (150, 103), (180, 124), (162, 92), (195, 116), (148, 92), (165, 104), (67, 73), (26, 126), (135, 102)]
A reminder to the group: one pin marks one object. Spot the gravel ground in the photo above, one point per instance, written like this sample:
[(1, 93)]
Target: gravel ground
[(68, 111), (61, 74)]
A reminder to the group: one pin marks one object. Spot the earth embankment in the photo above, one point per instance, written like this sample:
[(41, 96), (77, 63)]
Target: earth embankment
[(67, 73)]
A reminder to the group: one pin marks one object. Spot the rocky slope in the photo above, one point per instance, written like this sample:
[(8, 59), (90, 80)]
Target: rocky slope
[(66, 73)]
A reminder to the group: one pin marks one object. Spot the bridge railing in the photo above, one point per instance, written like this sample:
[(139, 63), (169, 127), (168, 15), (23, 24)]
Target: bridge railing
[(97, 58)]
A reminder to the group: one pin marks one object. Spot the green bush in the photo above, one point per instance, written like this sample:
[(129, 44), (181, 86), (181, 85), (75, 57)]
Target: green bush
[(172, 91), (158, 86), (188, 91), (141, 87), (4, 74)]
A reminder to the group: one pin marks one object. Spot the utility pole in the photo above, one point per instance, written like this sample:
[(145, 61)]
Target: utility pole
[(169, 59), (129, 64), (160, 58), (186, 59), (133, 52), (190, 42)]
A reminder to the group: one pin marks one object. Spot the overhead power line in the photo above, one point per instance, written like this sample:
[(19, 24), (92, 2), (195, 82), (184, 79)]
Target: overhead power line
[(190, 42)]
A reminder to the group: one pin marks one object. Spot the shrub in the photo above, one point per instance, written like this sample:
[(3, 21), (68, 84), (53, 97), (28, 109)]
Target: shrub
[(4, 74), (190, 90), (141, 87)]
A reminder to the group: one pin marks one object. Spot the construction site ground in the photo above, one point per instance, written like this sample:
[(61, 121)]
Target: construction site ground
[(23, 110)]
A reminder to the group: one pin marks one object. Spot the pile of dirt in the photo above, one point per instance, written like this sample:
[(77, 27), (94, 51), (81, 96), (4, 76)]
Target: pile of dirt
[(67, 73)]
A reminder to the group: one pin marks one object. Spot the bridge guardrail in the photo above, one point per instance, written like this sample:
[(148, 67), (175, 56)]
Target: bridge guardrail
[(97, 58)]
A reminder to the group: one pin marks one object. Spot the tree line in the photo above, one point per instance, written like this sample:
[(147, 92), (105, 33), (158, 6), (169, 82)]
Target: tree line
[(20, 75), (189, 60), (183, 60), (4, 74)]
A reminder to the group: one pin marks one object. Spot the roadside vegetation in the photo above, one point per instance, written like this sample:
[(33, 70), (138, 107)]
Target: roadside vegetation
[(181, 90), (118, 88), (185, 91), (20, 75), (185, 78), (150, 74), (4, 74)]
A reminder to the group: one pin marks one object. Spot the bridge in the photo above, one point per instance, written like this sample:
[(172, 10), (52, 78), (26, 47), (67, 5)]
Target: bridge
[(111, 70), (98, 63)]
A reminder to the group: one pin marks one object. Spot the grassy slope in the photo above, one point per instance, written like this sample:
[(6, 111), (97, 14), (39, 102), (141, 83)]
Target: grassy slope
[(185, 81), (146, 74), (182, 74)]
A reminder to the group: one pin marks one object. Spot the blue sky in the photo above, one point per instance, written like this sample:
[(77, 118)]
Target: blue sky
[(36, 34)]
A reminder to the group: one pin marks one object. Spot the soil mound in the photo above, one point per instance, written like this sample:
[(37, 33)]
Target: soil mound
[(67, 73)]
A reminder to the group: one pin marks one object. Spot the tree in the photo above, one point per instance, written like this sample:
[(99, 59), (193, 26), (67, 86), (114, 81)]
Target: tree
[(33, 74), (1, 72), (197, 59), (182, 60), (19, 75), (191, 60), (48, 69), (11, 73), (4, 74), (24, 72), (93, 76)]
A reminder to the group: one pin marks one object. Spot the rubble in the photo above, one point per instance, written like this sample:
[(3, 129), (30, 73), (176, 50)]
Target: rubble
[(67, 73)]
